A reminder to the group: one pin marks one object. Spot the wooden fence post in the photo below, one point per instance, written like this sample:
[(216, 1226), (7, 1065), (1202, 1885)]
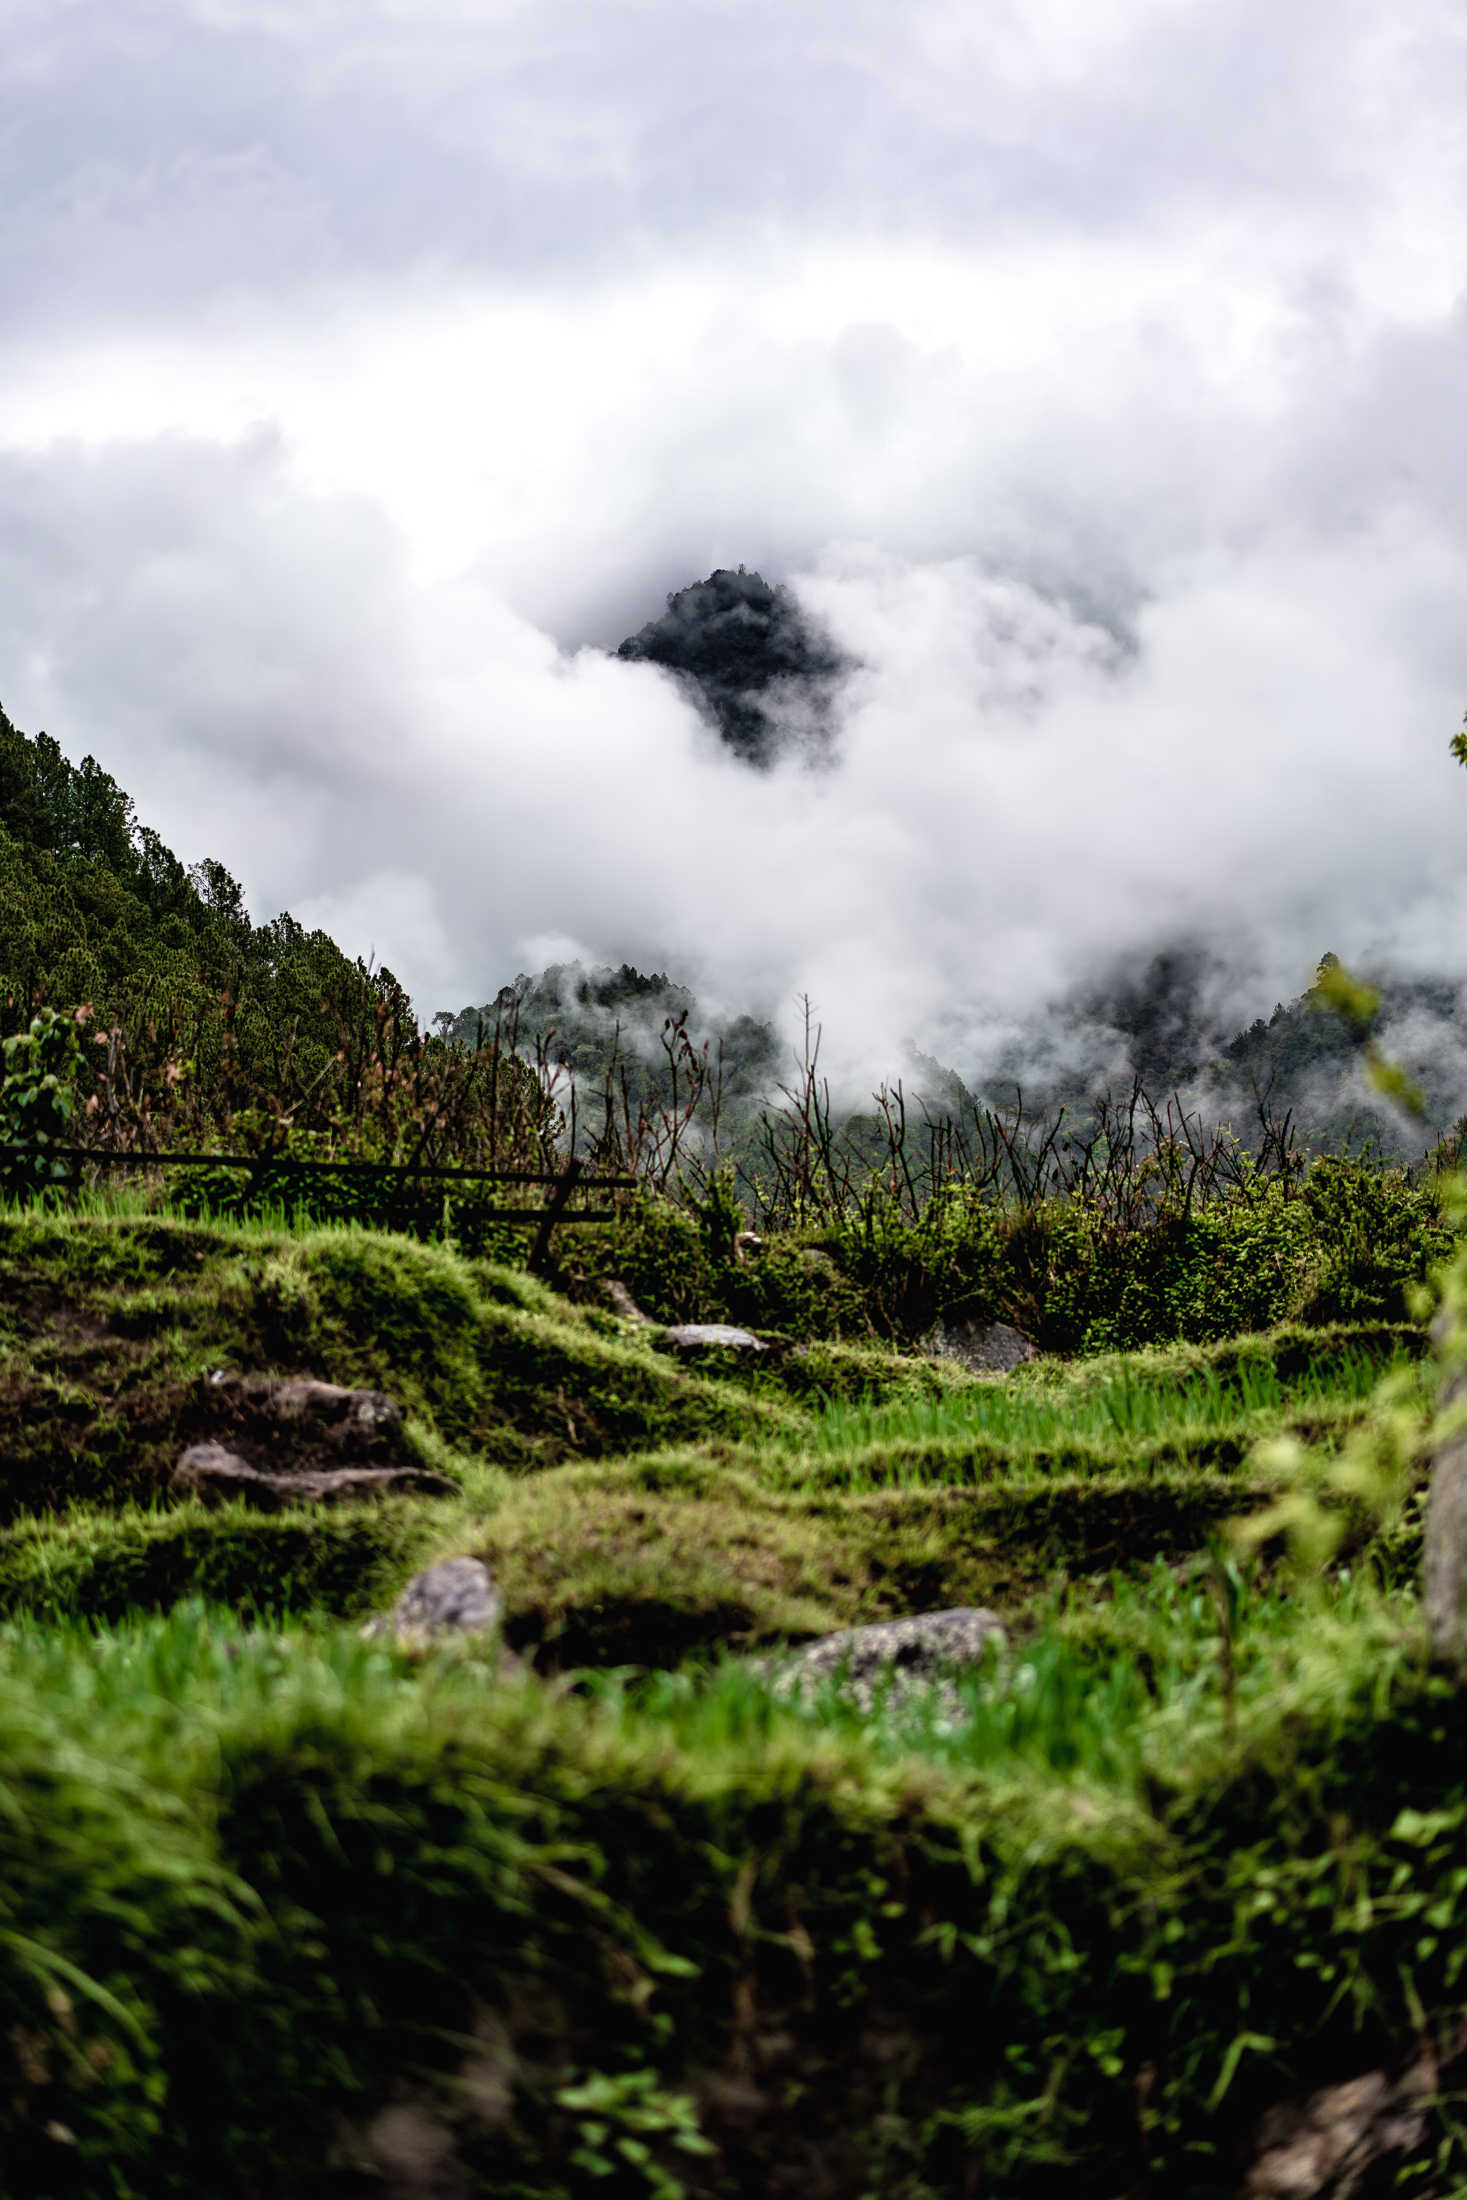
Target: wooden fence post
[(554, 1211)]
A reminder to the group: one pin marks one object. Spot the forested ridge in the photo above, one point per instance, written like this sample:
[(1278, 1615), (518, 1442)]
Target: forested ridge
[(96, 908), (216, 1014), (200, 1027)]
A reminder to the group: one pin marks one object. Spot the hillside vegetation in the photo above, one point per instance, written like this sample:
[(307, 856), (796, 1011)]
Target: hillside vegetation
[(610, 1905), (278, 1903)]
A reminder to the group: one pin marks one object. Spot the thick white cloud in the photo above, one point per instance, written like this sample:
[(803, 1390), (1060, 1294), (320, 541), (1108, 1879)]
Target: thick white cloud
[(1094, 370)]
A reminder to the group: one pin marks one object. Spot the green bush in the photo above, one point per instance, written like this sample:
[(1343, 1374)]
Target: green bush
[(37, 1103), (1345, 1245)]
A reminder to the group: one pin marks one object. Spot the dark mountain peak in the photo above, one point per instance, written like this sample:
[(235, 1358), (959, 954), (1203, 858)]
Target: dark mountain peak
[(752, 660)]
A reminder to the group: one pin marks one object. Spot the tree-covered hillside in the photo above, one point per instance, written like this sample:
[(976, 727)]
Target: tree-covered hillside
[(1302, 1060), (94, 908), (201, 1027)]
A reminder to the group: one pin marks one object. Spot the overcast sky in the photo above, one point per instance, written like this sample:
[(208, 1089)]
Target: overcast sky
[(1095, 368)]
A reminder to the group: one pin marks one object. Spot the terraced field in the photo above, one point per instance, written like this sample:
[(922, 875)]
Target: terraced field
[(282, 1909)]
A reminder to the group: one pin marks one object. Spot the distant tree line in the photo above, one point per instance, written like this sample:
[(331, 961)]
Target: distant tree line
[(202, 1028)]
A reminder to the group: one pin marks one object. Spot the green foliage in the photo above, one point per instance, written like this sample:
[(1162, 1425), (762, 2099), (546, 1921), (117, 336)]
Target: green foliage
[(1348, 1242), (617, 2117), (326, 1881), (1375, 1478), (37, 1102)]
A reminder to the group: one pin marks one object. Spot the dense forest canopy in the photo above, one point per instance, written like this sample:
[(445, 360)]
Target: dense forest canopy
[(94, 907), (204, 1027)]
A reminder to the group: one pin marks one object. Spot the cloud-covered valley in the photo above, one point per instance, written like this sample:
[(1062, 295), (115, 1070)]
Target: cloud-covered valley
[(1095, 383)]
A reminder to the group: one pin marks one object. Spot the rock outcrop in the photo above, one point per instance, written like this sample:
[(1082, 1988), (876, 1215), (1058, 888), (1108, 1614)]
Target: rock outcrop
[(211, 1472), (457, 1597), (983, 1348), (337, 1415), (899, 1656), (283, 1440), (621, 1302), (1345, 2140), (706, 1336)]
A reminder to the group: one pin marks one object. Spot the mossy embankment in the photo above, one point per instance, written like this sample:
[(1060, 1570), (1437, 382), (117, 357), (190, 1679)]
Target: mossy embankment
[(633, 1506), (284, 1914), (110, 1324)]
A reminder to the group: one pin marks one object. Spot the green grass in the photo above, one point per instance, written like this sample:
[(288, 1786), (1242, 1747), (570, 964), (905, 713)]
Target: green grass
[(632, 1508), (1119, 1685), (1139, 1416), (1130, 1403), (254, 1886), (266, 1887)]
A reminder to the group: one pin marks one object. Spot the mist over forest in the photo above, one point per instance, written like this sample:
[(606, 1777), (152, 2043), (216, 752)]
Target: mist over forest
[(754, 662), (765, 677), (1301, 1061)]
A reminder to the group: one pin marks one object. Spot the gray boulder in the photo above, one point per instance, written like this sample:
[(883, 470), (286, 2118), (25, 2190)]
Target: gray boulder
[(216, 1474), (903, 1655), (983, 1348), (620, 1299), (301, 1398), (699, 1336), (457, 1597), (1346, 2139)]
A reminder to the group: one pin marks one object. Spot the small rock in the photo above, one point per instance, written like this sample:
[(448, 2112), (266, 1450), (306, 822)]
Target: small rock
[(698, 1336), (909, 1653), (983, 1348), (211, 1472), (455, 1597), (622, 1302), (414, 2152), (745, 1243), (1335, 2142), (302, 1398)]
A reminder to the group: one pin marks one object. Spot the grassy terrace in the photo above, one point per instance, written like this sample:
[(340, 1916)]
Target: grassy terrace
[(632, 1507), (276, 1902)]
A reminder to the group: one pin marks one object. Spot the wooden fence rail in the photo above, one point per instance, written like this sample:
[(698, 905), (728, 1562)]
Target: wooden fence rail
[(556, 1213)]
